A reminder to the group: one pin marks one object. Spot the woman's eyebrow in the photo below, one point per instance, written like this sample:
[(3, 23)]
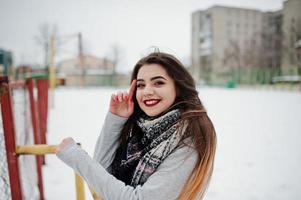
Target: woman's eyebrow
[(153, 78), (157, 77)]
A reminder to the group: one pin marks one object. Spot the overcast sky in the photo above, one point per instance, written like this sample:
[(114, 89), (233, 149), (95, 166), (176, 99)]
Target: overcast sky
[(135, 25)]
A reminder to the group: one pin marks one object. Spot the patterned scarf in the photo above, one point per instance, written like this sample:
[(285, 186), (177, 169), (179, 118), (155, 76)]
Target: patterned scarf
[(136, 162)]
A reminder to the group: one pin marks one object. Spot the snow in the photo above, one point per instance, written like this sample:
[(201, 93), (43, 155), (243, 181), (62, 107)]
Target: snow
[(258, 132)]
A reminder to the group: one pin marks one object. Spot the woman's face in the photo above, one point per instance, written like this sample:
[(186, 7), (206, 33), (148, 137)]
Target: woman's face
[(156, 90)]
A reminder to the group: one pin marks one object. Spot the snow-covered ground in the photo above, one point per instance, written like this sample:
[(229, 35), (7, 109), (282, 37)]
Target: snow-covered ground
[(259, 138)]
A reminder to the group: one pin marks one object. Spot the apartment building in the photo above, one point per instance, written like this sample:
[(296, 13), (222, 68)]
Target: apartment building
[(291, 30), (272, 40), (224, 38), (228, 38)]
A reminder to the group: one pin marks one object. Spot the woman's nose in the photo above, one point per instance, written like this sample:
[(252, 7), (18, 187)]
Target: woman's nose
[(148, 91)]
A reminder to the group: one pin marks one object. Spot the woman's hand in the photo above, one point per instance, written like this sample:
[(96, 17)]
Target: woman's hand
[(63, 144), (122, 104)]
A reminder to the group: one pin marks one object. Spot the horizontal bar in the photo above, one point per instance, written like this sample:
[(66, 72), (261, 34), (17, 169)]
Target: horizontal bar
[(41, 149), (17, 84), (38, 149)]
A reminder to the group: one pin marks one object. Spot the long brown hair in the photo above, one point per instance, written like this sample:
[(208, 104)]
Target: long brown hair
[(200, 127)]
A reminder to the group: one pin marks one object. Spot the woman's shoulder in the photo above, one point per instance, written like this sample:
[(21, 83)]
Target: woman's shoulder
[(184, 155), (187, 144), (186, 147)]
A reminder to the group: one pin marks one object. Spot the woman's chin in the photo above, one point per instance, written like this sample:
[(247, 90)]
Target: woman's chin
[(152, 113)]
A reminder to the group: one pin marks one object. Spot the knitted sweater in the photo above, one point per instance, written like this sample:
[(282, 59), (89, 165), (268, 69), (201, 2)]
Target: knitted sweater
[(165, 183)]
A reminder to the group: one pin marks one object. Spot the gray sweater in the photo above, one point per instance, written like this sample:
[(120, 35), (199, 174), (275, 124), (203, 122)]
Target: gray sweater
[(164, 184)]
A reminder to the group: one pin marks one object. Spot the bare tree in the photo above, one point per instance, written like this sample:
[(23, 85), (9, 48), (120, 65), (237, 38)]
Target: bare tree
[(45, 32), (291, 34), (116, 55), (238, 58), (232, 55), (233, 58)]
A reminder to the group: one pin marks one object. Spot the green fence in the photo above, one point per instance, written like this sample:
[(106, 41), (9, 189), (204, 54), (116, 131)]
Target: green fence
[(253, 76)]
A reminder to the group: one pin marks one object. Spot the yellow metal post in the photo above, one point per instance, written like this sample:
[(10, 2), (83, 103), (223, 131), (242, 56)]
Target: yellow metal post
[(52, 75), (80, 189), (51, 70), (94, 194)]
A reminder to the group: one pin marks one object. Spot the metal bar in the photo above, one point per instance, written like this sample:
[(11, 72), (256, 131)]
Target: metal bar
[(17, 84), (9, 137), (94, 194), (42, 100), (42, 88), (40, 149), (43, 149), (80, 189), (34, 112), (13, 151), (36, 133)]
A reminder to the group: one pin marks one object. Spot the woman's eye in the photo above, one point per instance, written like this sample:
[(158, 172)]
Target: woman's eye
[(159, 83), (140, 85)]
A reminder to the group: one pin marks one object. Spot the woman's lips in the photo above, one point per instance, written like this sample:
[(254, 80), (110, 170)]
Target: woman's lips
[(151, 102)]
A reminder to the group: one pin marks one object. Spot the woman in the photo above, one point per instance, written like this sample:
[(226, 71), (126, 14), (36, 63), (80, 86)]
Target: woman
[(157, 141)]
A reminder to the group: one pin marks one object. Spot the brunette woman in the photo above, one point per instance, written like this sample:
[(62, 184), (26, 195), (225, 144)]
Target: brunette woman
[(157, 141)]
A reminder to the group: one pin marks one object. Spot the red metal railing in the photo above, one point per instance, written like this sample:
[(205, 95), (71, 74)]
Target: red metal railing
[(38, 109), (36, 132), (9, 137), (42, 87)]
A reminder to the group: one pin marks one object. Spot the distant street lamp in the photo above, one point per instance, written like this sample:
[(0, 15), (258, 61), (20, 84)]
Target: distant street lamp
[(298, 52)]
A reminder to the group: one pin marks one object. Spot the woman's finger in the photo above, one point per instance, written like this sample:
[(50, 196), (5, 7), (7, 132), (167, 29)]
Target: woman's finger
[(119, 96), (65, 142), (114, 97), (125, 96), (131, 106), (68, 140), (132, 89)]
